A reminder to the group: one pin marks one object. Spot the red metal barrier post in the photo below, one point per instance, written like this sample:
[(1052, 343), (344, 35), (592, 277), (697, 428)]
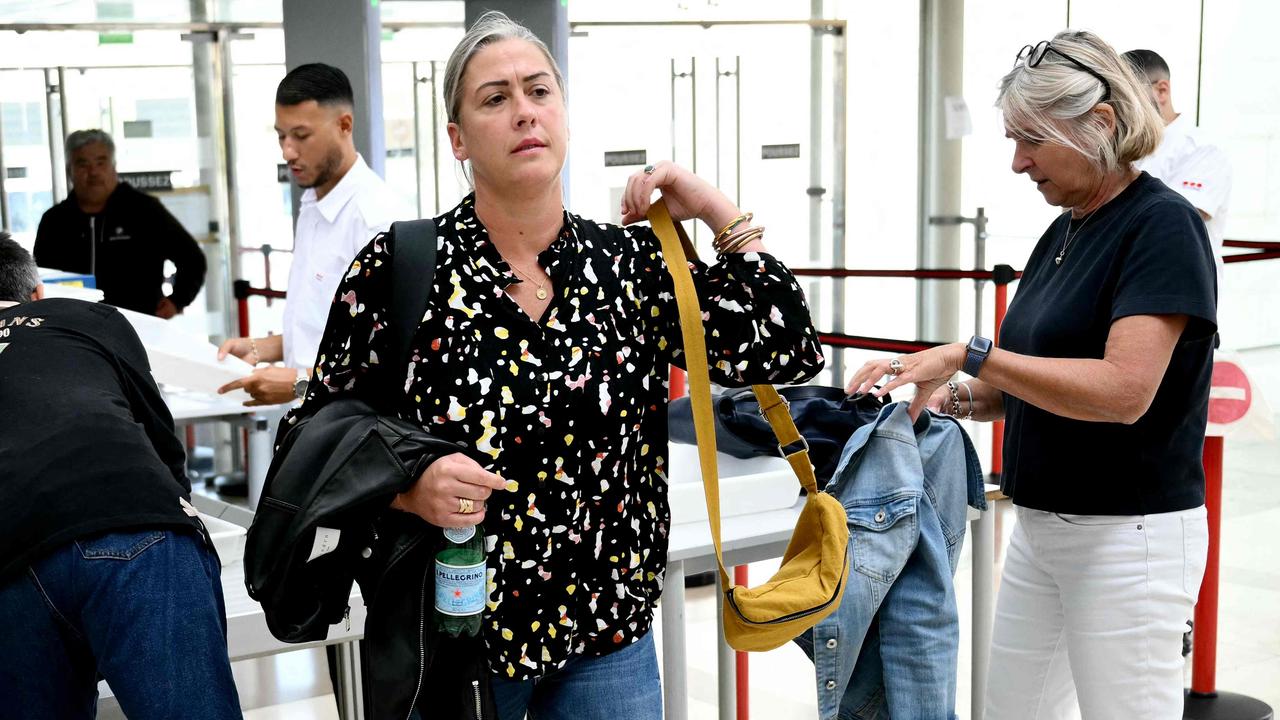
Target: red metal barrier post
[(1003, 275)]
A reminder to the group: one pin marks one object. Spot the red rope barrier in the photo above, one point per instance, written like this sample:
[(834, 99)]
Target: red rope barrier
[(863, 342), (1252, 244), (1250, 257), (933, 274)]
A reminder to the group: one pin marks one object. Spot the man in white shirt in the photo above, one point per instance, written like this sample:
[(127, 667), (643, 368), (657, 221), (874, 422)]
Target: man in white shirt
[(344, 206), (1186, 160)]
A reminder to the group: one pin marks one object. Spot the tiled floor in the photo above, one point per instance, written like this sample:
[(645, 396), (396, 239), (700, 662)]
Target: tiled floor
[(782, 686)]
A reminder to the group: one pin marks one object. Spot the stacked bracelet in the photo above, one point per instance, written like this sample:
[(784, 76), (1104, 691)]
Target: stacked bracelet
[(955, 399), (724, 231), (965, 385), (738, 240), (253, 346)]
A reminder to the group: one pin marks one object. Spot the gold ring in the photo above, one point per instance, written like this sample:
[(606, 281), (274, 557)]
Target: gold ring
[(465, 506), (895, 367)]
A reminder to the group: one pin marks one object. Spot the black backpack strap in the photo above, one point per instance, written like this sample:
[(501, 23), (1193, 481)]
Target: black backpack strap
[(413, 264)]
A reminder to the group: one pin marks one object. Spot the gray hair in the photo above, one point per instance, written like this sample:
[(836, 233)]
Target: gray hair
[(489, 28), (1052, 103), (19, 277), (80, 138)]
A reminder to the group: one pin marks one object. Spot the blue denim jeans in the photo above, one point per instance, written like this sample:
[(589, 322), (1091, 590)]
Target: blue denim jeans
[(622, 685), (143, 609)]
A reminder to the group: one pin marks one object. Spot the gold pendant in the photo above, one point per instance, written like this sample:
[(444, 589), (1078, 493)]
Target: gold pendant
[(542, 293)]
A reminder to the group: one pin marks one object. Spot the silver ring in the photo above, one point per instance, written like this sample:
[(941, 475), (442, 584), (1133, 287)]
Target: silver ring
[(648, 169), (895, 367), (465, 506)]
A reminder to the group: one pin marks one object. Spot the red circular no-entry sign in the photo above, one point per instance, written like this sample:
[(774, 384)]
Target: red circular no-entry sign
[(1229, 393)]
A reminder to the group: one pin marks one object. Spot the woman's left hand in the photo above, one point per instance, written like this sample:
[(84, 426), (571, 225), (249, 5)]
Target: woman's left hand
[(687, 195), (927, 370)]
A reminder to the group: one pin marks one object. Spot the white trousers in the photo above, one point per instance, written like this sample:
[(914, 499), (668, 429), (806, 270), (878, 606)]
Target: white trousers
[(1092, 609)]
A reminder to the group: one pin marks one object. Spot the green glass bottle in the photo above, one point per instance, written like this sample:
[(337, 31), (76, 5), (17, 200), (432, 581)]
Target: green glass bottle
[(460, 582)]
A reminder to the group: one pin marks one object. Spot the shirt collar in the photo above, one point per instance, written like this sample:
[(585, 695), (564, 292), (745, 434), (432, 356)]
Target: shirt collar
[(489, 263), (1179, 125), (342, 193)]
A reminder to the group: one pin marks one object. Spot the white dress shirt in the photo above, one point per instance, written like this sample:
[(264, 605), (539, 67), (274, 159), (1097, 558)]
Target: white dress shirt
[(330, 232), (1199, 171)]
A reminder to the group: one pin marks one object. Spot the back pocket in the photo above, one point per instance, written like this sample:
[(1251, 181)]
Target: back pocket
[(118, 545)]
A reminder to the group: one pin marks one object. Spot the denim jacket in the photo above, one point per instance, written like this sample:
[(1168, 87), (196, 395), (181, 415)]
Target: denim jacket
[(890, 650)]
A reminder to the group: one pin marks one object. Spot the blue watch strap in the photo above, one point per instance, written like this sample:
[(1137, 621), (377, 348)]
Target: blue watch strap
[(975, 354)]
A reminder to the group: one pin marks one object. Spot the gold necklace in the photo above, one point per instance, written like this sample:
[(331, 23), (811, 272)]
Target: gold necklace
[(541, 292)]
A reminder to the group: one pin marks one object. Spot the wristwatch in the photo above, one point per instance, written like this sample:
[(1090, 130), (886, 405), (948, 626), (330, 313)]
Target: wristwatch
[(975, 354), (300, 386)]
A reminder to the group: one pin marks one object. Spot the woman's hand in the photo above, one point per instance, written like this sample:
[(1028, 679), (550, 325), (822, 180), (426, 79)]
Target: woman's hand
[(448, 486), (687, 196), (928, 370)]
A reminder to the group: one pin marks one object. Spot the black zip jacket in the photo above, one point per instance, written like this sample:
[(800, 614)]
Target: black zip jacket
[(125, 246), (339, 469)]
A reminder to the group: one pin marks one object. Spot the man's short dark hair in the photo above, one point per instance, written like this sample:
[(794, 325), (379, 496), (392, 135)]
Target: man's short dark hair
[(1148, 63), (18, 275), (325, 84)]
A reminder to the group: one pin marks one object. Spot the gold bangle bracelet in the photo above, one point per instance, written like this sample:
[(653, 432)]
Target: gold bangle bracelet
[(734, 238), (736, 241), (740, 240), (724, 231)]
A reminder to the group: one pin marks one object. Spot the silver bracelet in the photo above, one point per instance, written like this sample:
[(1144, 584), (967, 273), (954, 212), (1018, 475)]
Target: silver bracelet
[(969, 390), (955, 399)]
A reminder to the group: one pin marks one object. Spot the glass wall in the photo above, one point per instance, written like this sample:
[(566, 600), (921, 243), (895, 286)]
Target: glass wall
[(622, 97)]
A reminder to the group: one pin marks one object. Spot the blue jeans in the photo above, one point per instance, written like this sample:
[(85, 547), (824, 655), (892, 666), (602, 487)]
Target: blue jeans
[(622, 685), (142, 608)]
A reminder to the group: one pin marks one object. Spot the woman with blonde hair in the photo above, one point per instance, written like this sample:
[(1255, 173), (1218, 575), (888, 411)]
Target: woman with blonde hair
[(546, 348), (1102, 379)]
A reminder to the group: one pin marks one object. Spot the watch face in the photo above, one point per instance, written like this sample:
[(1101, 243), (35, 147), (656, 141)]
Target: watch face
[(980, 344)]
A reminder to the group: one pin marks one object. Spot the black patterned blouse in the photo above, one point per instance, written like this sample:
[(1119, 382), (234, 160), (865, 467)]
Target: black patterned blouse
[(571, 409)]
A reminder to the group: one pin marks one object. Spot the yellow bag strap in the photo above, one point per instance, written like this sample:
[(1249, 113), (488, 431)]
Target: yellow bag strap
[(772, 405)]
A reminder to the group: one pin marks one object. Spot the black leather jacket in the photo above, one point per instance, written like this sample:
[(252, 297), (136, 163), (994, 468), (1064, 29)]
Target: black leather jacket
[(339, 469)]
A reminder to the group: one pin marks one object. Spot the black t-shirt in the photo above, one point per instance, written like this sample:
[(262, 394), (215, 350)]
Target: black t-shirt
[(86, 442), (1144, 253)]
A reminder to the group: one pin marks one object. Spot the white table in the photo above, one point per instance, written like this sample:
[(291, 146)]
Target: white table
[(745, 539), (760, 536), (189, 408)]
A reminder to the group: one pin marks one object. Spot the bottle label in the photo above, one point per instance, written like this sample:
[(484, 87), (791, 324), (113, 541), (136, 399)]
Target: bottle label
[(458, 536), (460, 588)]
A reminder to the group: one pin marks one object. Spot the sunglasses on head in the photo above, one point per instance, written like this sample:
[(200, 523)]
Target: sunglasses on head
[(1032, 55)]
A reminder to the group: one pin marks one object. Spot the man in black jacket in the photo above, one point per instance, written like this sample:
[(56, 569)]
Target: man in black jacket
[(104, 566), (118, 233)]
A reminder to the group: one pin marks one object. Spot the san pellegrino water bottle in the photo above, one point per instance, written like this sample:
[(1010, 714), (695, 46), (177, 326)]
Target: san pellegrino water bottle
[(460, 582)]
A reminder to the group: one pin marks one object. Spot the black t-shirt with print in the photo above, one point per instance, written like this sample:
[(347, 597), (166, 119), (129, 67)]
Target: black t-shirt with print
[(571, 409), (1144, 253), (86, 442)]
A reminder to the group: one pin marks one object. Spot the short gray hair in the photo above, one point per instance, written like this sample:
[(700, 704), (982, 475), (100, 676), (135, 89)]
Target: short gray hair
[(19, 277), (489, 28), (1051, 103), (80, 138)]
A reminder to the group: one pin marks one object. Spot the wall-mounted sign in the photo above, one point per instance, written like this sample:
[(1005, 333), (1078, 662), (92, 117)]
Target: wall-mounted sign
[(618, 158), (149, 180), (776, 152), (137, 128)]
